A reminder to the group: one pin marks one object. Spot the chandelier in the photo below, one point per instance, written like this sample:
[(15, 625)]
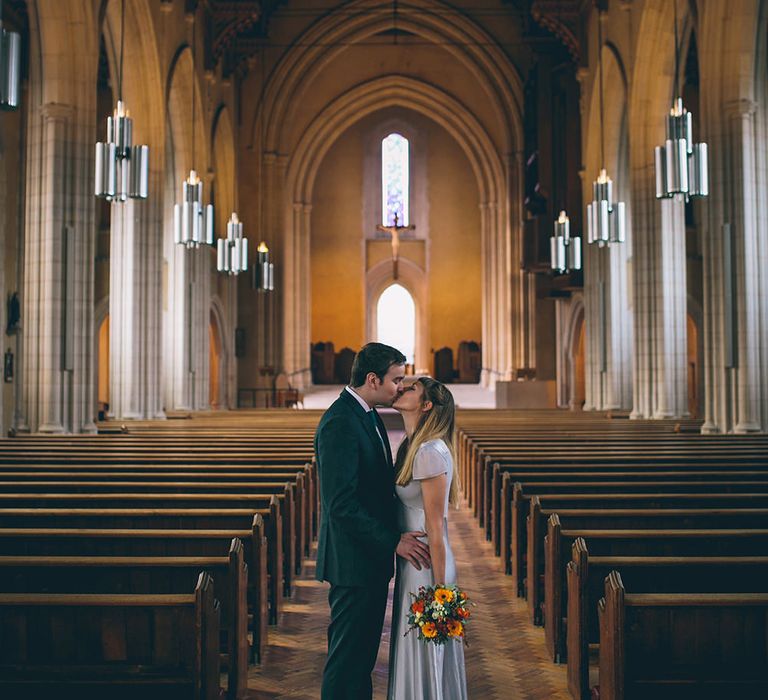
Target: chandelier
[(232, 251), (263, 271), (192, 220), (681, 164), (10, 66), (606, 219), (122, 169), (565, 252)]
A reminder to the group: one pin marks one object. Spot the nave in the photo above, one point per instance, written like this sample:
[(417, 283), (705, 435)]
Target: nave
[(506, 657), (174, 558)]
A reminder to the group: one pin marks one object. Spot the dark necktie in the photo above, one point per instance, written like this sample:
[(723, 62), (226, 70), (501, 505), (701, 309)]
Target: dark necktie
[(372, 418)]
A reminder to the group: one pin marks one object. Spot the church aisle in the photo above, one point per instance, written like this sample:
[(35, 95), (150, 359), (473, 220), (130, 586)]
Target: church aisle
[(506, 660)]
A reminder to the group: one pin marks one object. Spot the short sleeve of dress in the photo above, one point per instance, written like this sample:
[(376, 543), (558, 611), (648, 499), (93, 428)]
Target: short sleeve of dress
[(429, 462)]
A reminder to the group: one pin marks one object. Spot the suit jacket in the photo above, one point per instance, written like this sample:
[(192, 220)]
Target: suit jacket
[(358, 520)]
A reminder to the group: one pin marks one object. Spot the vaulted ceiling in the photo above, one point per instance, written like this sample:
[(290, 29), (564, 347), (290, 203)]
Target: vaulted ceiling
[(238, 28)]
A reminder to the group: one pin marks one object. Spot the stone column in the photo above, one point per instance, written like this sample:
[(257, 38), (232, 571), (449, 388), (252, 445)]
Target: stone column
[(124, 308), (186, 345), (487, 324), (660, 302), (134, 308), (749, 378), (735, 295), (594, 329), (296, 314), (58, 276), (515, 279)]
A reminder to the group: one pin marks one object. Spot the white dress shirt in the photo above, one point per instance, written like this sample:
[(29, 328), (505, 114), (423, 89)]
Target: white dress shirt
[(367, 409)]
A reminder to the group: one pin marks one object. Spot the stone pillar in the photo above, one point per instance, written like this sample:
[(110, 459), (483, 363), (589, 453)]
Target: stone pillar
[(487, 326), (660, 302), (57, 316), (519, 311), (297, 295), (749, 377), (186, 345), (736, 399), (290, 292), (134, 308), (594, 329), (499, 323), (124, 309)]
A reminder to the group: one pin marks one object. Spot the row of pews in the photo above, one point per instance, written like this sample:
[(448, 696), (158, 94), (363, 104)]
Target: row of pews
[(150, 561), (640, 546)]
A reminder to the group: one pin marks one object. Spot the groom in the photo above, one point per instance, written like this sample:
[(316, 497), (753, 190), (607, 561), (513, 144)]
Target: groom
[(358, 525)]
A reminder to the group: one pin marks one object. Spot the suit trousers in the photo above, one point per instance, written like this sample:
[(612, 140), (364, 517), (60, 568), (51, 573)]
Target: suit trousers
[(354, 635)]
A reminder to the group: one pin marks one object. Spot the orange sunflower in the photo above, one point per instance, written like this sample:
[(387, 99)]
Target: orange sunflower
[(443, 595), (455, 628), (429, 630)]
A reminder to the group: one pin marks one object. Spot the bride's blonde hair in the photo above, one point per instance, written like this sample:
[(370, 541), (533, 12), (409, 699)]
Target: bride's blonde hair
[(436, 424)]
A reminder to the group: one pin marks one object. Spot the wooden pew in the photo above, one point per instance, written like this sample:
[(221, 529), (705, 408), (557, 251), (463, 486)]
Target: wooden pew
[(117, 646), (646, 542), (671, 480), (566, 495), (276, 514), (289, 492), (163, 543), (304, 477), (586, 575), (729, 468), (621, 519), (549, 562), (151, 575), (556, 455), (674, 645)]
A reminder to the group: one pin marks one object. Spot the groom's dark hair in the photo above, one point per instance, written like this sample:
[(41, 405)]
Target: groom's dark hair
[(376, 358)]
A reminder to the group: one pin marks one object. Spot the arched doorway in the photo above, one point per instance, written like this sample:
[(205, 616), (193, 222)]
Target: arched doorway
[(693, 366), (102, 393), (215, 363), (396, 320), (579, 384), (579, 376)]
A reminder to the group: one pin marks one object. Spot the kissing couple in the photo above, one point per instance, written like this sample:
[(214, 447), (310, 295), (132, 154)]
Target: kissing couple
[(375, 512)]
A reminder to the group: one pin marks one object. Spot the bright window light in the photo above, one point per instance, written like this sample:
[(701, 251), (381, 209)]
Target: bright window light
[(396, 320), (394, 180)]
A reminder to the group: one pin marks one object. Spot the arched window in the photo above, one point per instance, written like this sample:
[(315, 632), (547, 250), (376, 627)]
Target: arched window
[(394, 180), (396, 320)]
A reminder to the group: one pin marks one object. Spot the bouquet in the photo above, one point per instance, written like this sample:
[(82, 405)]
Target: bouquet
[(439, 614)]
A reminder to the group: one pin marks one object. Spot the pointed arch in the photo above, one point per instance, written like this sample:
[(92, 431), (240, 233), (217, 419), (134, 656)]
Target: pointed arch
[(413, 279), (224, 161)]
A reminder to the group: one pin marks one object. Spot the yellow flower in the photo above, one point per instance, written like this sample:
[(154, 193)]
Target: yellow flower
[(429, 630), (443, 595), (455, 628)]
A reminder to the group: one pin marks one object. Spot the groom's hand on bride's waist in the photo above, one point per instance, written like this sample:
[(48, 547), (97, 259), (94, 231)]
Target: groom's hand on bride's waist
[(414, 550)]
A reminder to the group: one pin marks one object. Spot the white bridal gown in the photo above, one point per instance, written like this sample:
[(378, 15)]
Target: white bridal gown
[(419, 670)]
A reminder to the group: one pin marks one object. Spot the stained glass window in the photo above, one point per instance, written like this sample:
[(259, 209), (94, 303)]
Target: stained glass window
[(396, 320), (394, 180)]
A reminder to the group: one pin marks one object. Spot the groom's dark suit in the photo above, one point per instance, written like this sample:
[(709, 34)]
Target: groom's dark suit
[(358, 537)]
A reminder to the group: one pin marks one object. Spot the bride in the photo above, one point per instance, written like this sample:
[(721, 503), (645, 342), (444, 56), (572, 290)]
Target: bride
[(426, 483)]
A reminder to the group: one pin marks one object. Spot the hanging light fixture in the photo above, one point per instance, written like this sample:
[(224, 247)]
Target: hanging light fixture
[(10, 66), (606, 219), (681, 164), (232, 251), (565, 252), (122, 169), (192, 220), (263, 271)]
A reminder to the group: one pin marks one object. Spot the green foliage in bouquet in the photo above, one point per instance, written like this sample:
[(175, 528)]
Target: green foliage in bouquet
[(439, 614)]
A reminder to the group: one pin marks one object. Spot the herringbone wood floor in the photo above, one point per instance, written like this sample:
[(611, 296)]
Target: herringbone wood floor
[(506, 659)]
